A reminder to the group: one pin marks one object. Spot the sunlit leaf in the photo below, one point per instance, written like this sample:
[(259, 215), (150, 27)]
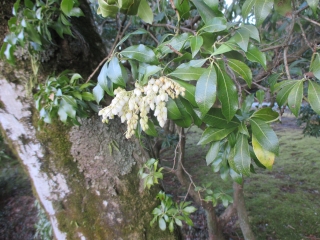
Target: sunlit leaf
[(265, 157), (140, 53), (262, 8), (295, 98), (214, 134), (145, 12)]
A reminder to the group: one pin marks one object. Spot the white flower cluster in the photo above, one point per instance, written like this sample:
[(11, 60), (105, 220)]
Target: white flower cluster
[(129, 104)]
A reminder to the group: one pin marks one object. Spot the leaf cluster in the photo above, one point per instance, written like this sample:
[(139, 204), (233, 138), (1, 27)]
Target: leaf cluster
[(171, 213), (33, 23), (150, 173), (63, 97)]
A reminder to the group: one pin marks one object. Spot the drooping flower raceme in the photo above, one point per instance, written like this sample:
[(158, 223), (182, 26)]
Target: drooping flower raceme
[(133, 105)]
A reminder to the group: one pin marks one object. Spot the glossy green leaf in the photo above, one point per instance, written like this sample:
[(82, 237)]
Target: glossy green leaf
[(185, 56), (266, 114), (183, 8), (188, 73), (87, 96), (76, 12), (216, 24), (243, 129), (241, 69), (314, 96), (295, 97), (246, 8), (205, 12), (252, 31), (162, 224), (151, 131), (189, 91), (66, 108), (282, 95), (272, 80), (227, 94), (186, 118), (241, 37), (196, 43), (115, 72), (66, 6), (260, 96), (227, 47), (193, 63), (104, 81), (265, 157), (206, 90), (262, 8), (265, 136), (98, 93), (173, 110), (70, 100), (216, 119), (242, 159), (214, 5), (190, 109), (255, 55), (149, 70), (214, 134), (145, 12), (140, 53), (212, 153), (315, 66), (175, 43), (313, 4), (139, 31), (236, 176), (107, 10)]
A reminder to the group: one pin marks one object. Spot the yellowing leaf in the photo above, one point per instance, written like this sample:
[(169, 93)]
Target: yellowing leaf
[(265, 157)]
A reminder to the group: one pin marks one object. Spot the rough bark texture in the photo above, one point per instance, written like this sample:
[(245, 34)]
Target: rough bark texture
[(89, 188)]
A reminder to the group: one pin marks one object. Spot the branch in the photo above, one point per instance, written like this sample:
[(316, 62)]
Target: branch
[(173, 27), (310, 20)]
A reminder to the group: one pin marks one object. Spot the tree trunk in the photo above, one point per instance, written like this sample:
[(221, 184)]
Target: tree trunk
[(89, 188)]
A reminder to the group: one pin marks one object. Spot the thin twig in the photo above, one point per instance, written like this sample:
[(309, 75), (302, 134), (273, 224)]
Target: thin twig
[(304, 36), (310, 20), (271, 48), (173, 27), (118, 37), (174, 50), (285, 62)]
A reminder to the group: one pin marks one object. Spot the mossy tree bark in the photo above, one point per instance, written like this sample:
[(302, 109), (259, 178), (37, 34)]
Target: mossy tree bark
[(89, 188)]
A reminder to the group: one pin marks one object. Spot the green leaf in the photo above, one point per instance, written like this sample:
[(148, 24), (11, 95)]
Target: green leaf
[(76, 12), (315, 66), (206, 90), (313, 5), (162, 224), (241, 37), (265, 157), (190, 109), (137, 32), (236, 176), (189, 91), (214, 134), (115, 72), (66, 108), (196, 43), (242, 159), (145, 12), (283, 94), (227, 47), (186, 119), (107, 10), (246, 8), (243, 129), (252, 31), (66, 6), (104, 81), (241, 69), (295, 98), (216, 119), (205, 12), (260, 96), (140, 53), (193, 63), (264, 135), (151, 131), (176, 43), (255, 55), (314, 96), (189, 209), (272, 80), (87, 96), (266, 114), (70, 100), (216, 24), (227, 94), (262, 8), (212, 153), (173, 110), (98, 93), (187, 73), (183, 8)]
